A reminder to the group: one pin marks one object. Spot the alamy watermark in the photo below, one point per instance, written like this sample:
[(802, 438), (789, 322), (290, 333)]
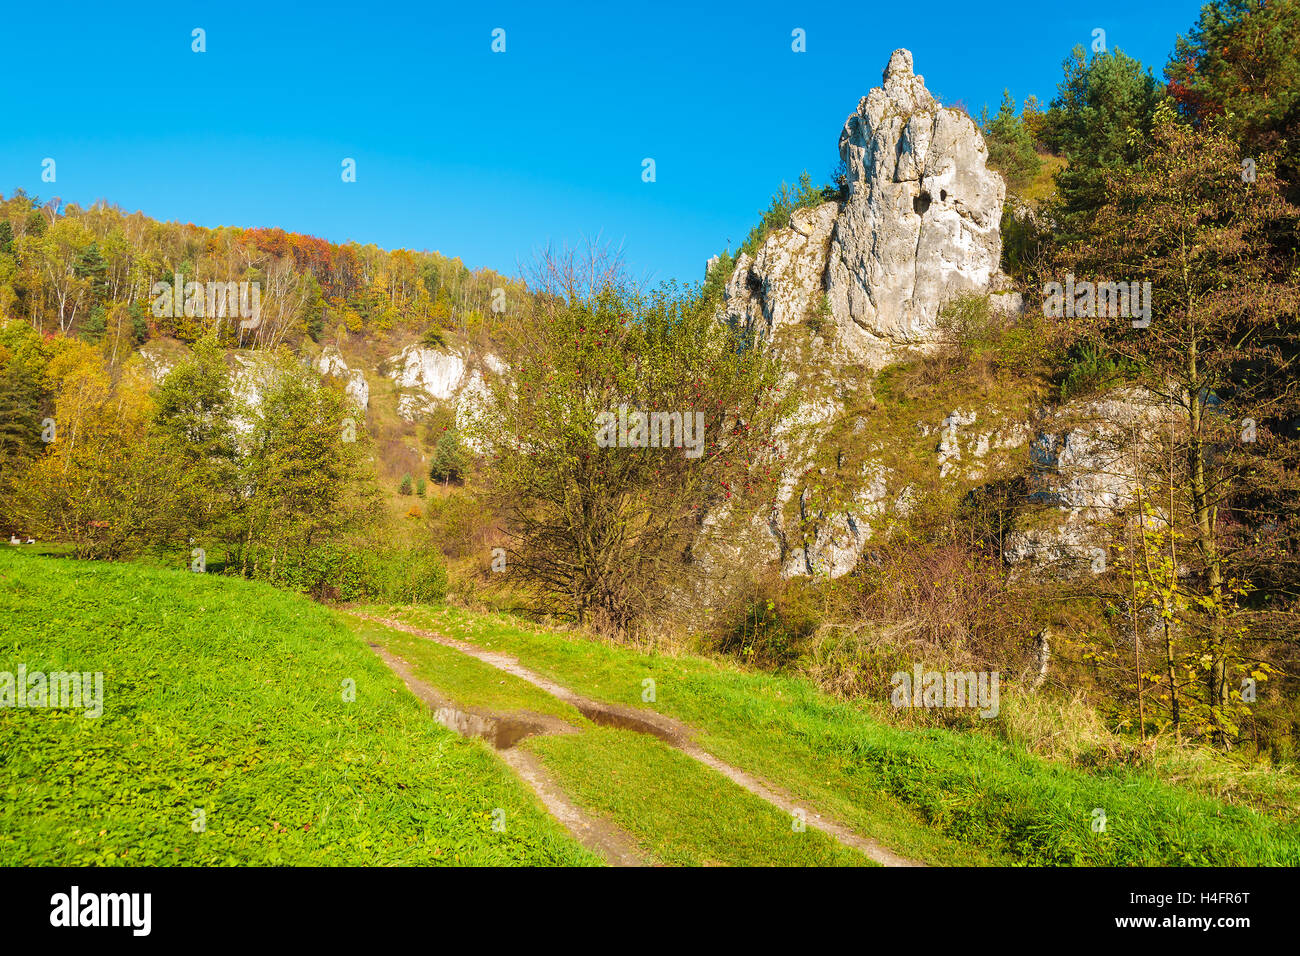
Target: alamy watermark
[(1114, 300), (218, 300), (62, 690), (634, 429), (950, 689), (75, 908)]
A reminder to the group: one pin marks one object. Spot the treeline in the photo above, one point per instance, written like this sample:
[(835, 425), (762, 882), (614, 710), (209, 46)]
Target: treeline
[(273, 481), (90, 272), (1186, 621), (1237, 71)]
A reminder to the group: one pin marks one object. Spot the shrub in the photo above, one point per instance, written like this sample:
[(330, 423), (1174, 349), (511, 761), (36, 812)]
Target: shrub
[(1090, 369), (337, 572), (770, 624), (970, 326)]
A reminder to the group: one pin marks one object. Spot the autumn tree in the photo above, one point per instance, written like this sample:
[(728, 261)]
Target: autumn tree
[(101, 483), (1240, 65), (305, 470), (1221, 349), (602, 524), (194, 421)]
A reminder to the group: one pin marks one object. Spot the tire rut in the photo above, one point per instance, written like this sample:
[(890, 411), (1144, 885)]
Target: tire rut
[(503, 731), (671, 731)]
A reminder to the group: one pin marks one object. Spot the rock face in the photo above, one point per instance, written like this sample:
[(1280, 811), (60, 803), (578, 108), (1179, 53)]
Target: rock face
[(1089, 462), (357, 388), (426, 376), (922, 220), (783, 284), (920, 226)]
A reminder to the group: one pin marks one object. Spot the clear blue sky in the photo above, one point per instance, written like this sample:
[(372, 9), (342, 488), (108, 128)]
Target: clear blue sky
[(488, 156)]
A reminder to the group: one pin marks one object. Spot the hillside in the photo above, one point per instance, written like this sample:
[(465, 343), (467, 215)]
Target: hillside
[(952, 517), (287, 769)]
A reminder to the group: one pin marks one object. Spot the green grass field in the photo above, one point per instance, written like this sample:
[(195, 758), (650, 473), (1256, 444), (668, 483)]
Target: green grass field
[(227, 696), (676, 811), (934, 795)]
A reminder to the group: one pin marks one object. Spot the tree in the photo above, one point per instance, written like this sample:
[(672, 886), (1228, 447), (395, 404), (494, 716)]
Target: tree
[(1011, 145), (602, 527), (1240, 64), (1100, 121), (305, 477), (449, 459), (194, 420), (1221, 350), (102, 483)]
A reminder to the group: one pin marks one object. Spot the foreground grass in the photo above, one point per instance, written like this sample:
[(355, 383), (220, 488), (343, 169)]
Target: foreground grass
[(936, 795), (678, 811), (226, 696)]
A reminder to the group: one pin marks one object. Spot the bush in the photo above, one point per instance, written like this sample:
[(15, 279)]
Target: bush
[(335, 572), (970, 326), (770, 625), (405, 487), (462, 525), (1089, 369)]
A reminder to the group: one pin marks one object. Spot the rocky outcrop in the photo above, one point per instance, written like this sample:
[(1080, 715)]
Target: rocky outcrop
[(783, 284), (426, 377), (921, 224), (1089, 460), (356, 387), (867, 278)]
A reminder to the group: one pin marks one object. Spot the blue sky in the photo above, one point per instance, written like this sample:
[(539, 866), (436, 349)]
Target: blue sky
[(490, 156)]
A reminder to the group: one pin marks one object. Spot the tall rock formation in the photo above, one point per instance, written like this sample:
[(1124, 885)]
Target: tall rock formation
[(920, 225), (851, 287)]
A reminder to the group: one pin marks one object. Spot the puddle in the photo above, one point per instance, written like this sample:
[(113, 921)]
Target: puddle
[(622, 718), (501, 732)]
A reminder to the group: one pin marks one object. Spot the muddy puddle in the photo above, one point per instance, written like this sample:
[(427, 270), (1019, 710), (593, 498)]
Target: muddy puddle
[(502, 731)]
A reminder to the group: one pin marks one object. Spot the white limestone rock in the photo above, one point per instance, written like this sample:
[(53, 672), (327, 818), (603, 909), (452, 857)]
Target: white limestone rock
[(921, 224), (331, 363), (426, 377)]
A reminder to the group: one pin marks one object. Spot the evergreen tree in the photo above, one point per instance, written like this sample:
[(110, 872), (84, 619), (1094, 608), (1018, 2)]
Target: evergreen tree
[(449, 461), (1100, 121), (1011, 145)]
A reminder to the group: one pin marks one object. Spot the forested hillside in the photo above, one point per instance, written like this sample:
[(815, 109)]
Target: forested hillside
[(1015, 397)]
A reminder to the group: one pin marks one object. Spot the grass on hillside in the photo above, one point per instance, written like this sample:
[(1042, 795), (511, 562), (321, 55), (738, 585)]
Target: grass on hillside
[(678, 811), (935, 795), (226, 696), (681, 812)]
